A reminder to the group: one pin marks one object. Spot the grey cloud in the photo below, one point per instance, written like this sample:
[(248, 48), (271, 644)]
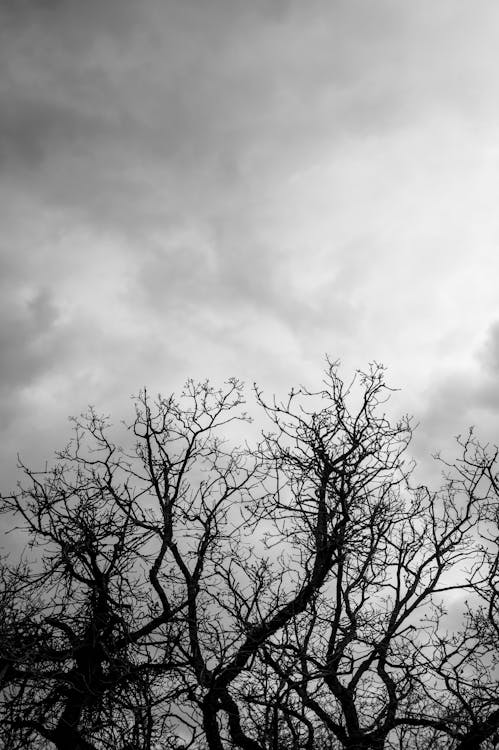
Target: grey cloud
[(223, 273), (111, 17), (31, 131), (489, 354), (487, 393), (27, 338), (135, 118), (465, 398), (171, 124), (204, 94)]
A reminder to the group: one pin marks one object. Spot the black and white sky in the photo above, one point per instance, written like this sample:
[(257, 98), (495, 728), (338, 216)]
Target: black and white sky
[(210, 188)]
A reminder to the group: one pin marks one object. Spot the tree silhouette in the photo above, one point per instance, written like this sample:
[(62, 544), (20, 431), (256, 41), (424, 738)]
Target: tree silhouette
[(186, 592)]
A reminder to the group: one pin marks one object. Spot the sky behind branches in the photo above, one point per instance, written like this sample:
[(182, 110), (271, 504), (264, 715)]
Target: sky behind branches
[(208, 188)]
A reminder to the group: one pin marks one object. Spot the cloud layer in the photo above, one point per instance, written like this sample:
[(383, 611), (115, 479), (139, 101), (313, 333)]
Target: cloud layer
[(217, 188)]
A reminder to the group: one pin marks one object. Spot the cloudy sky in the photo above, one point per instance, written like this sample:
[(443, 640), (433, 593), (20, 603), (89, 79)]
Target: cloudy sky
[(234, 187)]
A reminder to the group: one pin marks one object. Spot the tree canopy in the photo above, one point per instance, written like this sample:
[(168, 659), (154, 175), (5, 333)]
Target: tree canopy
[(191, 589)]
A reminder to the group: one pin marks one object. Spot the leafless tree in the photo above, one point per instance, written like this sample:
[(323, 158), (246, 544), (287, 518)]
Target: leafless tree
[(185, 592), (372, 661), (103, 615)]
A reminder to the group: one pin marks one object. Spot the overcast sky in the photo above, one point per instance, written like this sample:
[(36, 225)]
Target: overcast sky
[(236, 187)]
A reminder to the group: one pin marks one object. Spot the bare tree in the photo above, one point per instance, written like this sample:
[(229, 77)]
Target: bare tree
[(373, 661), (185, 592), (102, 617)]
